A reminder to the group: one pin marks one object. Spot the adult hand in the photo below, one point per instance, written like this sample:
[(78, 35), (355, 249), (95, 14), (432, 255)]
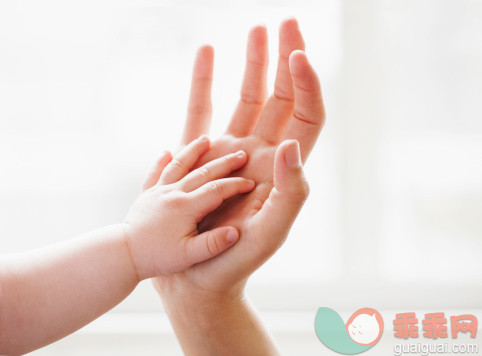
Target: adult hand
[(206, 303), (294, 113)]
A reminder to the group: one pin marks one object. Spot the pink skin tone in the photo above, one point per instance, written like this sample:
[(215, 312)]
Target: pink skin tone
[(47, 294), (161, 228), (278, 134)]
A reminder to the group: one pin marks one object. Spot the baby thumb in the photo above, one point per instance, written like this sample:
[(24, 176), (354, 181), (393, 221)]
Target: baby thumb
[(210, 243)]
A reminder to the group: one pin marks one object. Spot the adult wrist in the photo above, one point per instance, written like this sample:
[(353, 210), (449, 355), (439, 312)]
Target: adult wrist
[(180, 296)]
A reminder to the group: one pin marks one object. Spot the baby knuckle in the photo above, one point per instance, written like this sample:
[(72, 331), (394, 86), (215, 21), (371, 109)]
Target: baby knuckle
[(212, 244), (216, 188), (176, 164), (227, 160), (176, 200), (205, 173)]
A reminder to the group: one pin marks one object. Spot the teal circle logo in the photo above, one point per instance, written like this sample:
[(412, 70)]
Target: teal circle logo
[(360, 333)]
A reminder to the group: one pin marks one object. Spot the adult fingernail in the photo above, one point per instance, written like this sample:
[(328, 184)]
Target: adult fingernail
[(232, 236), (292, 155)]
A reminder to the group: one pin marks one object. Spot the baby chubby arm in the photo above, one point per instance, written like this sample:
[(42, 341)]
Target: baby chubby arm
[(49, 293)]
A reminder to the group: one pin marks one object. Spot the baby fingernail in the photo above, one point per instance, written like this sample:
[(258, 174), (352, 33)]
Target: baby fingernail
[(163, 154), (203, 138), (240, 154), (232, 236), (292, 155)]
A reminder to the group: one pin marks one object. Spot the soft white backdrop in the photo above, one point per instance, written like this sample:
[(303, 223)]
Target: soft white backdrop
[(92, 91)]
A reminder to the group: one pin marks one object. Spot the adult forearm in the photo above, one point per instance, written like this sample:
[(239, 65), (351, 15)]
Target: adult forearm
[(217, 325), (49, 293)]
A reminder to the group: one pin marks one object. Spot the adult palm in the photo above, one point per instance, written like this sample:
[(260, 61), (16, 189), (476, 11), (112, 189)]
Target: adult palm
[(294, 113)]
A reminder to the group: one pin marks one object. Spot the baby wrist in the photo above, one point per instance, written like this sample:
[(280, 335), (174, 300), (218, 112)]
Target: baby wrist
[(126, 243)]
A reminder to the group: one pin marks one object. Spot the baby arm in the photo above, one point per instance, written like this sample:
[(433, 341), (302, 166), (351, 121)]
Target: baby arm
[(49, 293)]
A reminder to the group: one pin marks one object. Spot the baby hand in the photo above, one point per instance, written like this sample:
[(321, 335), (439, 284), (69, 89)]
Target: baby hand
[(161, 226)]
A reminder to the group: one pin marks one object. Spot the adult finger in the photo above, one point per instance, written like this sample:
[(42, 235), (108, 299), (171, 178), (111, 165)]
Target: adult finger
[(253, 90), (309, 113), (285, 200), (199, 107), (279, 107), (184, 161), (216, 169)]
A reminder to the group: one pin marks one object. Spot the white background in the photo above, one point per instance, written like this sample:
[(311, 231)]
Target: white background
[(91, 92)]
